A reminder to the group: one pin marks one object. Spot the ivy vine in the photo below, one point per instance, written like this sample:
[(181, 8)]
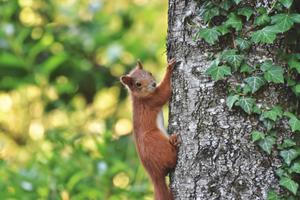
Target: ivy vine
[(246, 27)]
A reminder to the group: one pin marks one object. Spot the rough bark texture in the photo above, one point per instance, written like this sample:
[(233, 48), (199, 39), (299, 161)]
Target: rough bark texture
[(216, 159)]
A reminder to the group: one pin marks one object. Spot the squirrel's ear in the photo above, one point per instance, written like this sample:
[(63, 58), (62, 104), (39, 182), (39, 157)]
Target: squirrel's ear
[(139, 64), (126, 80)]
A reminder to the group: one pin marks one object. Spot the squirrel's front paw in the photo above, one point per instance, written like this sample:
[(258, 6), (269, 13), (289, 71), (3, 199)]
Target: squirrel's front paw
[(174, 140), (171, 64)]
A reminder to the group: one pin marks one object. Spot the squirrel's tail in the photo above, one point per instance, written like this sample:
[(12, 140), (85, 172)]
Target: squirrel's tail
[(161, 190)]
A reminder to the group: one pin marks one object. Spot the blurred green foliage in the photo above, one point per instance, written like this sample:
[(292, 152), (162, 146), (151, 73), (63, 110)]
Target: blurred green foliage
[(64, 117)]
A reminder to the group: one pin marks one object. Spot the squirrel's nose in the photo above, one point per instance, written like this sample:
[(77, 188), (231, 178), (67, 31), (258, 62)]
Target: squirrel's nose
[(154, 84)]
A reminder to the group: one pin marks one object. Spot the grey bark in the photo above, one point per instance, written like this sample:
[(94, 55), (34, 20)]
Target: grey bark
[(217, 159)]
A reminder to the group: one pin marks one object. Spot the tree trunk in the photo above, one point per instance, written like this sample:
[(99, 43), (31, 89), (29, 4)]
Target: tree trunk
[(217, 159)]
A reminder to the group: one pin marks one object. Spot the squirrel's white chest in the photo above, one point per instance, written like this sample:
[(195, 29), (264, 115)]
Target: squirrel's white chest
[(160, 123)]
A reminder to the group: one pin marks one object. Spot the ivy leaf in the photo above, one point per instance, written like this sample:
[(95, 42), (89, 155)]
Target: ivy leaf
[(287, 143), (265, 35), (289, 115), (246, 89), (257, 135), (286, 3), (237, 1), (273, 114), (266, 65), (247, 103), (210, 13), (242, 44), (255, 83), (294, 124), (246, 68), (294, 64), (235, 60), (267, 143), (223, 29), (289, 184), (288, 155), (290, 82), (218, 72), (272, 195), (247, 12), (210, 35), (296, 168), (256, 109), (235, 22), (268, 124), (274, 74), (262, 20), (295, 17), (226, 5), (231, 100), (283, 22), (296, 89)]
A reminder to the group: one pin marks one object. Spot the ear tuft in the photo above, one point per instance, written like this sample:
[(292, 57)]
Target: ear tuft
[(126, 80), (139, 64)]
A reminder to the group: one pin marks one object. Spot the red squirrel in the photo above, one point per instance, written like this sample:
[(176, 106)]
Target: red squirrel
[(156, 149)]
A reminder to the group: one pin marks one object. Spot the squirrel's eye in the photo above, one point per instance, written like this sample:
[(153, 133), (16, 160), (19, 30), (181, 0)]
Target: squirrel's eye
[(138, 84)]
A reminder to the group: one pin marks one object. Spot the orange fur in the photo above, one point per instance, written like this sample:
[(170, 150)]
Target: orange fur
[(157, 152)]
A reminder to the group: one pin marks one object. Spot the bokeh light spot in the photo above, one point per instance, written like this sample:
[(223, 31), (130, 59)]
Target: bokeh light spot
[(121, 180), (36, 130), (123, 127), (5, 103), (36, 33)]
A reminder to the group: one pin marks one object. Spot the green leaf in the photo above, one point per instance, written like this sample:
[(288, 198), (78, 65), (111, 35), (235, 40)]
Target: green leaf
[(234, 21), (210, 13), (237, 1), (11, 60), (242, 44), (294, 64), (223, 29), (256, 109), (290, 82), (257, 135), (295, 17), (255, 83), (272, 195), (234, 59), (283, 22), (246, 11), (288, 155), (286, 3), (296, 89), (289, 184), (246, 68), (287, 143), (294, 124), (218, 72), (226, 5), (273, 114), (246, 103), (268, 124), (262, 20), (210, 35), (246, 89), (266, 65), (289, 115), (274, 74), (296, 167), (231, 100), (265, 35), (267, 143)]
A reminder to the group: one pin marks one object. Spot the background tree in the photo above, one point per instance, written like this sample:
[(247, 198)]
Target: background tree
[(238, 77)]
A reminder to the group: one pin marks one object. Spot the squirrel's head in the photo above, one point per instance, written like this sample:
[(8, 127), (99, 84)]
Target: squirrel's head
[(140, 82)]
